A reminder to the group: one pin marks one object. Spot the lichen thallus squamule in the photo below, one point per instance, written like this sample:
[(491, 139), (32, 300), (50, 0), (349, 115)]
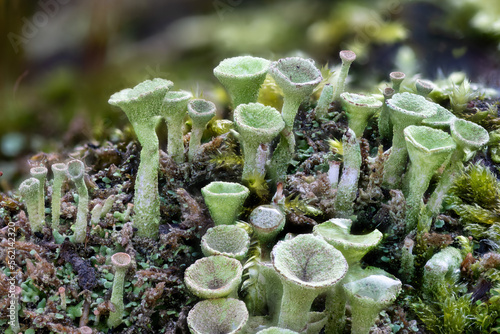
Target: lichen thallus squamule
[(279, 281)]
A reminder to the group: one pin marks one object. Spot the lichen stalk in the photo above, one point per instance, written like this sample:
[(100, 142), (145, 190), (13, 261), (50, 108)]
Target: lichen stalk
[(396, 78), (76, 171), (174, 110), (40, 173), (120, 262), (324, 101), (29, 190), (348, 185), (146, 199), (347, 57), (143, 105), (59, 170), (384, 120)]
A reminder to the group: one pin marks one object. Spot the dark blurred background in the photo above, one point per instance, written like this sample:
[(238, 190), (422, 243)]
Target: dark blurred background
[(62, 59)]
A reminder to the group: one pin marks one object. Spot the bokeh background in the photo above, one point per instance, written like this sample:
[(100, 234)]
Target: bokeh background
[(60, 60)]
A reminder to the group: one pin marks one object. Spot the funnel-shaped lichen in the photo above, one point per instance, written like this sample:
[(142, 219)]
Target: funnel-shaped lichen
[(469, 137), (76, 172), (406, 109), (218, 316), (29, 190), (120, 262), (224, 200), (228, 240), (424, 87), (441, 120), (143, 104), (267, 221), (396, 79), (214, 277), (307, 267), (257, 125), (360, 108), (367, 297), (297, 77), (242, 77), (337, 232), (201, 112), (428, 149), (347, 57), (174, 110)]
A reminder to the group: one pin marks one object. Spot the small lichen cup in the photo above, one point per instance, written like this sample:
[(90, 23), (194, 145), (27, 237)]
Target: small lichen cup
[(174, 110), (307, 267), (267, 221), (221, 316), (347, 57), (367, 297), (120, 262), (224, 200), (228, 240), (214, 277), (406, 109), (257, 125), (337, 232), (360, 108), (428, 150), (469, 137), (242, 77), (297, 77), (201, 112)]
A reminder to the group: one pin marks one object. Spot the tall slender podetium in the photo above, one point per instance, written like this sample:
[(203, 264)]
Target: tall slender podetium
[(76, 171), (143, 105), (297, 77)]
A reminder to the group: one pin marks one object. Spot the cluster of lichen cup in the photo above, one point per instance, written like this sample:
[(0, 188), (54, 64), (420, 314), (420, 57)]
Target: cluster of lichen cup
[(278, 284)]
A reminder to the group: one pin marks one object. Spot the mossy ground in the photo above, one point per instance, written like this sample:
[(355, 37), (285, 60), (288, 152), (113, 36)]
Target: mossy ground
[(156, 300)]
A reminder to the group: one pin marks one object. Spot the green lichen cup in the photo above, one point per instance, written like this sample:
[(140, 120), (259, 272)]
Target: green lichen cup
[(218, 316), (428, 150), (142, 105), (337, 232), (228, 240), (175, 104), (307, 266), (224, 200), (257, 125), (469, 137), (201, 112), (242, 77), (405, 109), (360, 108), (367, 297), (214, 277)]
